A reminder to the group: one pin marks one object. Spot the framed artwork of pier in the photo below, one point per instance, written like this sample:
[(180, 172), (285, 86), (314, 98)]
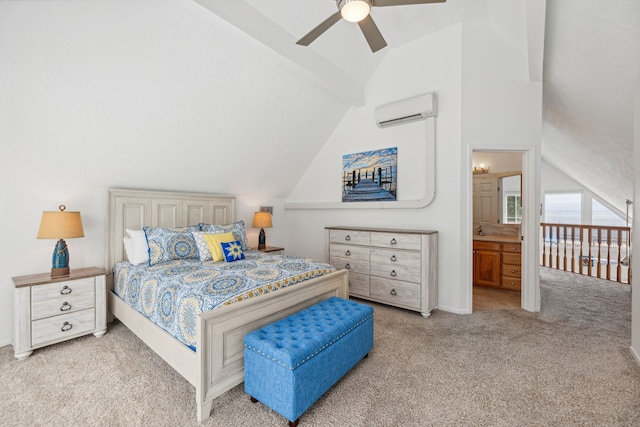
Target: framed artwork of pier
[(370, 176)]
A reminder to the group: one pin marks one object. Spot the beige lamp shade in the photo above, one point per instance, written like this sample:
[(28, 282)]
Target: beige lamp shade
[(60, 225), (262, 220)]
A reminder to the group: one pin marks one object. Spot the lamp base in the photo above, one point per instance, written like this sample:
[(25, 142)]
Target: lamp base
[(262, 239), (60, 272)]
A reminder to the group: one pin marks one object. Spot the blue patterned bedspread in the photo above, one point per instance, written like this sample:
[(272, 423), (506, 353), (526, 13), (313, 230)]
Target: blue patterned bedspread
[(171, 294)]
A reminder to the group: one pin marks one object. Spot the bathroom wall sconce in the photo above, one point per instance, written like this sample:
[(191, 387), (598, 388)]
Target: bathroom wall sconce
[(481, 168)]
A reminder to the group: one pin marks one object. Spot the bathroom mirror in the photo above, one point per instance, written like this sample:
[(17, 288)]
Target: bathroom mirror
[(510, 199)]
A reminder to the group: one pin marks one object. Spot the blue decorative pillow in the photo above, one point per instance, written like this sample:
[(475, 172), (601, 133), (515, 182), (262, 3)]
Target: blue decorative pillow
[(237, 228), (166, 244), (232, 251)]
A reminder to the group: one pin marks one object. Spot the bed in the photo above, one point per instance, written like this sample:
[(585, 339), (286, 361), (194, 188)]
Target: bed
[(216, 364)]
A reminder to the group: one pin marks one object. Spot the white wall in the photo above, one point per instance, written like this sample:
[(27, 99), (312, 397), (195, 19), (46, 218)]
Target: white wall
[(484, 97), (498, 161), (138, 94), (502, 111), (429, 64), (635, 261)]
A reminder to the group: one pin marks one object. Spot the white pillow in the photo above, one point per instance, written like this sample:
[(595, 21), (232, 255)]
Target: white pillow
[(203, 249), (139, 249), (128, 247)]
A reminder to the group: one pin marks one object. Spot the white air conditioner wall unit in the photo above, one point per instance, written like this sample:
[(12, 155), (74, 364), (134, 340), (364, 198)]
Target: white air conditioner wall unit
[(407, 110)]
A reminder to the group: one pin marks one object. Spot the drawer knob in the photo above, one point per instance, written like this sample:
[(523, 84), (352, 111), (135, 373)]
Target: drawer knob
[(347, 237), (65, 306), (393, 292), (67, 326), (513, 271), (393, 258), (347, 266), (393, 241), (513, 259), (393, 273), (348, 253), (65, 290)]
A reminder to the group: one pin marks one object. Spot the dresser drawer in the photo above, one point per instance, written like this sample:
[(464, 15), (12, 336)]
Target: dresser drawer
[(396, 240), (396, 272), (60, 298), (349, 252), (349, 236), (511, 258), (358, 284), (486, 246), (63, 327), (395, 292), (353, 265), (511, 270), (512, 247), (393, 257), (511, 283)]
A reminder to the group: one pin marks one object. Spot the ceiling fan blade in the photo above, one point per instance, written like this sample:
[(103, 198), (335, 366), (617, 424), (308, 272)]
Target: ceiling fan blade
[(372, 34), (382, 3), (317, 31)]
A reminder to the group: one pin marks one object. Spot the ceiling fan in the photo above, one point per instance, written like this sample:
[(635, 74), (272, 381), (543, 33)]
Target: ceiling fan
[(358, 11)]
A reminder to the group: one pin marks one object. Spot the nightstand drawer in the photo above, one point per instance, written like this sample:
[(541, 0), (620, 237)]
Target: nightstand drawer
[(66, 289), (60, 328), (62, 298)]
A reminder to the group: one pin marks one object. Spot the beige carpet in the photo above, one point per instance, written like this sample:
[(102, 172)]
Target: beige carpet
[(569, 365)]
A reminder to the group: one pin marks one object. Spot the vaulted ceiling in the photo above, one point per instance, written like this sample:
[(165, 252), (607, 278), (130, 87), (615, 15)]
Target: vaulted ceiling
[(589, 63)]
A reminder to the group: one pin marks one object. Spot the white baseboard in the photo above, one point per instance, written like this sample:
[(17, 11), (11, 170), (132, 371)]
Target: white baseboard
[(5, 343), (635, 355), (452, 310)]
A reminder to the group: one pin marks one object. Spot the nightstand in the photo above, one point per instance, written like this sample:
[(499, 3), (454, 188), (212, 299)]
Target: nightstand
[(273, 250), (49, 310)]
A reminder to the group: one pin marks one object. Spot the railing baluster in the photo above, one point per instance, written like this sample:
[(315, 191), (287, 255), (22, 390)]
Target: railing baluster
[(544, 246), (581, 263), (609, 255), (599, 253), (619, 267)]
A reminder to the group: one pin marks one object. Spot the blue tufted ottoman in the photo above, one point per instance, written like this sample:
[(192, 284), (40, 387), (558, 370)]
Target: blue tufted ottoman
[(289, 364)]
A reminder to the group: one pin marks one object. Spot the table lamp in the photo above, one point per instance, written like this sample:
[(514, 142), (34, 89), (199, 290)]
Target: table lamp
[(60, 225), (262, 220)]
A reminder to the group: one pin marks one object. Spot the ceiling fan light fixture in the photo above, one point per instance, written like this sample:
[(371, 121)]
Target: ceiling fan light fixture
[(354, 10)]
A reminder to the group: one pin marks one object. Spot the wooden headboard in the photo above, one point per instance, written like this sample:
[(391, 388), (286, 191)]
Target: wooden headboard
[(134, 209)]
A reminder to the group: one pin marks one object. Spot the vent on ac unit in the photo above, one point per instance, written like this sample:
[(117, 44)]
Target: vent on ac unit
[(407, 110)]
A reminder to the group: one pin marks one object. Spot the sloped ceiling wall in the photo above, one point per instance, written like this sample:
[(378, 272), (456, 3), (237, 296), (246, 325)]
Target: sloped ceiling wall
[(140, 94), (591, 65)]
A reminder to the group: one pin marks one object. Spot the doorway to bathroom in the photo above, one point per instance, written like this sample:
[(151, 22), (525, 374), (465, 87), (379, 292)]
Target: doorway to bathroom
[(497, 230)]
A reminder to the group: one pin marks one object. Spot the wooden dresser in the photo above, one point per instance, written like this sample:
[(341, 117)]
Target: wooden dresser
[(390, 266)]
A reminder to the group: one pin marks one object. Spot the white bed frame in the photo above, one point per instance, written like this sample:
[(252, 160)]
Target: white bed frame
[(217, 364)]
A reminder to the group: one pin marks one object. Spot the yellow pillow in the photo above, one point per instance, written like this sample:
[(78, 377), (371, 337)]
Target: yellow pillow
[(214, 241)]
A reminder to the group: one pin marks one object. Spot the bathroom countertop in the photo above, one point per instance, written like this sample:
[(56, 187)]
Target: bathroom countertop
[(507, 239)]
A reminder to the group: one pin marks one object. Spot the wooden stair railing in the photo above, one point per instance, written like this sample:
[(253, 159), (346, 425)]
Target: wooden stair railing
[(593, 250)]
